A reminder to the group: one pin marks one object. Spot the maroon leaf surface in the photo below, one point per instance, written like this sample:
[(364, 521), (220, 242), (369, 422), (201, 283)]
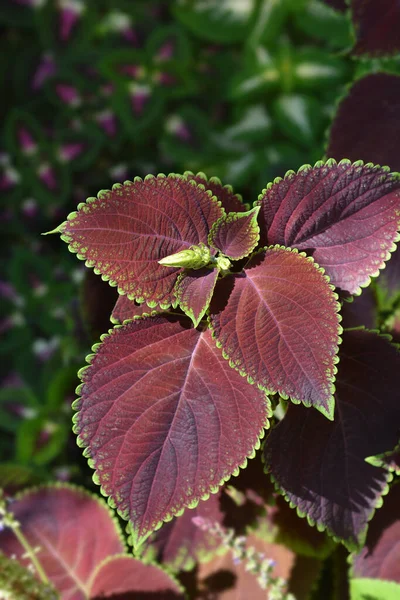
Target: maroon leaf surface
[(73, 530), (125, 309), (230, 201), (362, 311), (236, 234), (128, 578), (194, 290), (390, 460), (337, 4), (320, 466), (345, 215), (180, 543), (380, 557), (377, 26), (123, 233), (280, 327), (367, 123), (164, 419)]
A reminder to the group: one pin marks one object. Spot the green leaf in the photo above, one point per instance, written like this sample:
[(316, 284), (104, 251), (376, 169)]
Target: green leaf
[(374, 589)]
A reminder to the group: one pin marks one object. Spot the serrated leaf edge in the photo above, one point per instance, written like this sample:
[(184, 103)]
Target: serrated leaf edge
[(90, 264), (133, 539), (232, 217), (152, 563), (331, 162), (270, 391)]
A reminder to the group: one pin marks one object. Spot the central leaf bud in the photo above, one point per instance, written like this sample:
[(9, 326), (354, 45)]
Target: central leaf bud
[(195, 257)]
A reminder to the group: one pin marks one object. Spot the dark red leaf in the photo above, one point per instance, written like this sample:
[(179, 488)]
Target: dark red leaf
[(128, 578), (123, 233), (367, 123), (389, 280), (74, 531), (97, 300), (320, 466), (180, 543), (380, 557), (337, 4), (294, 532), (346, 216), (280, 327), (194, 290), (230, 201), (164, 419), (390, 460), (377, 26), (361, 311), (125, 309), (236, 234)]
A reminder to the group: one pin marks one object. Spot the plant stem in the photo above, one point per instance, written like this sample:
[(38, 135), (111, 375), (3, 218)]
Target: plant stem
[(30, 552)]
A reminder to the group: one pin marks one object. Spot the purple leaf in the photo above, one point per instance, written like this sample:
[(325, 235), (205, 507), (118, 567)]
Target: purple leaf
[(361, 311), (194, 290), (236, 234), (73, 530), (325, 475), (126, 309), (380, 557), (376, 26), (390, 460), (230, 201), (180, 543), (367, 123), (164, 419), (128, 576), (337, 4), (346, 215), (280, 327), (123, 233)]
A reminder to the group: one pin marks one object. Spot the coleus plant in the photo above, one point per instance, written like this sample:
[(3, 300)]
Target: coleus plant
[(223, 311)]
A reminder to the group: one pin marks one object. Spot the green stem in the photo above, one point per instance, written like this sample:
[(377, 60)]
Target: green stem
[(30, 552)]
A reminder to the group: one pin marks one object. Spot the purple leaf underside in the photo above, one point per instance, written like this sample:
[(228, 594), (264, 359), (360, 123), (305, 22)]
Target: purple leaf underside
[(180, 543), (236, 234), (367, 123), (230, 201), (345, 215), (376, 26), (380, 557), (125, 309), (123, 233), (164, 419), (194, 290), (280, 326), (129, 576), (326, 475), (64, 523)]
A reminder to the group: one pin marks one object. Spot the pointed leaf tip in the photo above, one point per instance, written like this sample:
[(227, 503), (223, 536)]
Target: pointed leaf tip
[(287, 339), (59, 229), (169, 450), (236, 234)]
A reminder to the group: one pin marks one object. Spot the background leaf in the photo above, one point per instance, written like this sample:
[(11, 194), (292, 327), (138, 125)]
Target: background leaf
[(73, 530), (380, 556), (326, 476), (127, 578)]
